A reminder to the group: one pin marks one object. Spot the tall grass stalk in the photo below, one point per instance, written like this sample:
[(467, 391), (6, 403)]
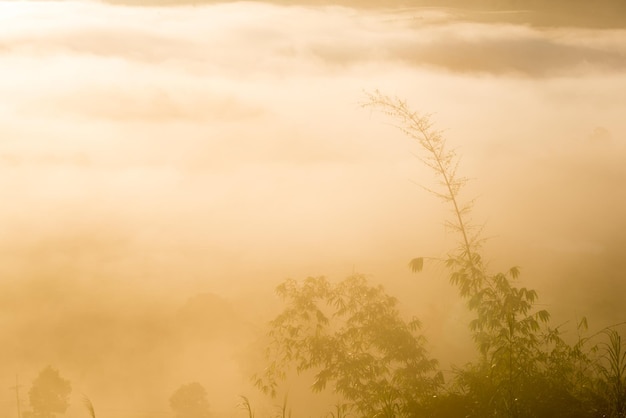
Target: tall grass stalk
[(444, 163), (613, 370), (89, 405), (245, 405)]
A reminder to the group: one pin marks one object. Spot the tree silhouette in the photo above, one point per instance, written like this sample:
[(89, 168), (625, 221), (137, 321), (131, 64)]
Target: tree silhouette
[(190, 401), (49, 394), (351, 335), (525, 368)]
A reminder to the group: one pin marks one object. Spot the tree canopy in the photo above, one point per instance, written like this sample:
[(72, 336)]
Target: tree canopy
[(351, 335), (49, 394), (190, 401)]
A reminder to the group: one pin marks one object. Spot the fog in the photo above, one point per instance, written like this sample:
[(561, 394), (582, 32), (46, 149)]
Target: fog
[(163, 169)]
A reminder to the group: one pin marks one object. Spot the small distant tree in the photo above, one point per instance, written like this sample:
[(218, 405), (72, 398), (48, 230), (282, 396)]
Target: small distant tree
[(190, 401), (49, 394)]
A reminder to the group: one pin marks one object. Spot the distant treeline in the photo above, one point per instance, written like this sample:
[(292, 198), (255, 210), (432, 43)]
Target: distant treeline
[(600, 13)]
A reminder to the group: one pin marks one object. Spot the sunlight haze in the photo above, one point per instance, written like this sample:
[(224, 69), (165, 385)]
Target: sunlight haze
[(162, 169)]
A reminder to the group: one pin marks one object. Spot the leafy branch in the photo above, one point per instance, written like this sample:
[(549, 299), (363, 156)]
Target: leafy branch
[(445, 163)]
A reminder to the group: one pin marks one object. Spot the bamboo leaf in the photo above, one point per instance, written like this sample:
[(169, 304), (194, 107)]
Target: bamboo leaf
[(417, 264), (582, 325)]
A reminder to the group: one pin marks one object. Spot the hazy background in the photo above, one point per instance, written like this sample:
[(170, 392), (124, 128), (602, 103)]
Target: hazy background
[(163, 168)]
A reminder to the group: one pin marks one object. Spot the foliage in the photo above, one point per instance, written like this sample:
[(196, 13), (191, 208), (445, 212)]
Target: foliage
[(352, 336), (89, 406), (190, 401), (283, 411), (612, 369), (342, 410), (465, 262), (247, 406), (49, 394), (525, 369)]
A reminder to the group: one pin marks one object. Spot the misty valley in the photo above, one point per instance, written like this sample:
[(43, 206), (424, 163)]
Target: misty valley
[(312, 209)]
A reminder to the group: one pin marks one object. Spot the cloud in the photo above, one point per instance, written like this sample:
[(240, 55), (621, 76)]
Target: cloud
[(486, 49), (526, 57), (152, 103), (271, 44), (256, 106)]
